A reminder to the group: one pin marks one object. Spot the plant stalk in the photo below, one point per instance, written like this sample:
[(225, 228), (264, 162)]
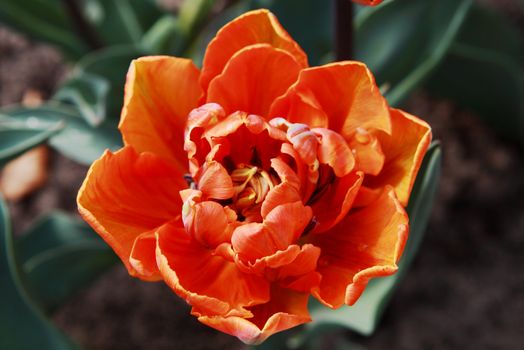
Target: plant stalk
[(343, 30)]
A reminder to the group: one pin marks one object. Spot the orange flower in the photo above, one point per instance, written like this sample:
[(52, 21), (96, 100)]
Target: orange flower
[(368, 2), (256, 182)]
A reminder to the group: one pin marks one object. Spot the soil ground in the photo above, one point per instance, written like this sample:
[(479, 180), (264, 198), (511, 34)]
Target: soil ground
[(464, 290)]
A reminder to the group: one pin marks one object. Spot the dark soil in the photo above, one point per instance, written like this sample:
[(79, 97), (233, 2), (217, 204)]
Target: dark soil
[(464, 291)]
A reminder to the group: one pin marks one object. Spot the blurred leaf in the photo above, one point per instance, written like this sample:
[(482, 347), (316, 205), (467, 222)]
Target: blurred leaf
[(77, 140), (309, 22), (44, 20), (87, 92), (363, 317), (22, 325), (122, 21), (484, 71), (325, 336), (111, 63), (59, 256), (161, 38), (191, 16), (17, 137), (402, 42)]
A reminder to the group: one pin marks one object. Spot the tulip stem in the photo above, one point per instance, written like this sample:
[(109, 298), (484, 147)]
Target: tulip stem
[(82, 26), (343, 30)]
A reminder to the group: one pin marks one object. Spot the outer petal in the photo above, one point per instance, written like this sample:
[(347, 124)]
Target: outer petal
[(285, 310), (404, 151), (341, 96), (126, 194), (210, 283), (255, 27), (366, 244), (160, 92), (368, 2), (253, 78)]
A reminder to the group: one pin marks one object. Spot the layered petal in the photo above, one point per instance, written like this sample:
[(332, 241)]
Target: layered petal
[(160, 92), (255, 27), (209, 282), (366, 244), (341, 96), (253, 78), (286, 309), (404, 151), (126, 194), (340, 195)]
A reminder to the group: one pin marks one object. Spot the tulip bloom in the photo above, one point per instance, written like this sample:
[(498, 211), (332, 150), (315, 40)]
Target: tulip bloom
[(368, 2), (257, 181)]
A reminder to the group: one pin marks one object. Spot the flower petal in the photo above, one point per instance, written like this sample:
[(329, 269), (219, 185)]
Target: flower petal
[(340, 195), (143, 258), (214, 181), (126, 194), (366, 244), (255, 27), (334, 151), (340, 96), (281, 228), (160, 92), (199, 276), (253, 78), (285, 310), (404, 151)]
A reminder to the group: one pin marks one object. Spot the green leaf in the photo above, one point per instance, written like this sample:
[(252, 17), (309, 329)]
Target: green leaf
[(17, 137), (191, 16), (44, 20), (111, 63), (162, 37), (363, 317), (122, 21), (22, 324), (88, 93), (59, 256), (77, 140), (309, 22), (402, 42), (484, 71)]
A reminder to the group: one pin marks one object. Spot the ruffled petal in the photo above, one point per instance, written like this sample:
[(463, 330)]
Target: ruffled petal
[(341, 96), (404, 150), (210, 283), (281, 228), (340, 195), (160, 92), (253, 78), (366, 244), (143, 258), (334, 151), (255, 27), (214, 181), (126, 194), (285, 310)]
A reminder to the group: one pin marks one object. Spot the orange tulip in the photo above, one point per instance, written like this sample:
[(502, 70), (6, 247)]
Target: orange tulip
[(256, 182), (368, 2)]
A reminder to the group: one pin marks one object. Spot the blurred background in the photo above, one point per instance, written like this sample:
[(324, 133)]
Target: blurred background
[(457, 64)]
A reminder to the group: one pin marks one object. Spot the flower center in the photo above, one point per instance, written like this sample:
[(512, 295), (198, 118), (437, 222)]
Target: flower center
[(251, 185)]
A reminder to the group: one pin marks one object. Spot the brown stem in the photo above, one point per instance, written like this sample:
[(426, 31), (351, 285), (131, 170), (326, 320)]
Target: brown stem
[(82, 26), (343, 30)]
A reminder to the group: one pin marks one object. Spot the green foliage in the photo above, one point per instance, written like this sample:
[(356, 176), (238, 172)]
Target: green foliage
[(363, 317), (77, 140), (402, 42), (484, 71), (59, 255), (45, 20), (17, 137), (22, 324)]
